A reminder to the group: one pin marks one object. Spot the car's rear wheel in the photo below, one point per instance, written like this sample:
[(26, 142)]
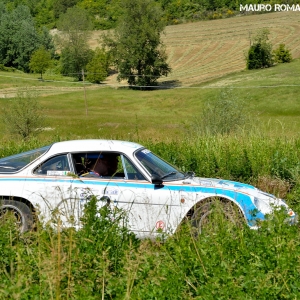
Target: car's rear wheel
[(212, 215), (19, 211)]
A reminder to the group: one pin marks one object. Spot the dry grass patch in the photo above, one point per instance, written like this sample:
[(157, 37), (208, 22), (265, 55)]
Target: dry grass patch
[(273, 185)]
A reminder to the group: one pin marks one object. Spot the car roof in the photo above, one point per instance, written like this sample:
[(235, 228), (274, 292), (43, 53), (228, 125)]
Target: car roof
[(94, 145)]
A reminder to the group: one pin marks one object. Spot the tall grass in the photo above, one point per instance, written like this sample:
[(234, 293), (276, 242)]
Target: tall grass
[(102, 260)]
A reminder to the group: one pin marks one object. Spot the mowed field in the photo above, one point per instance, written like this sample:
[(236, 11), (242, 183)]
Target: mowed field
[(201, 51)]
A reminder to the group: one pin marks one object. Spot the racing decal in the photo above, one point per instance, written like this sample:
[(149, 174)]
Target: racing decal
[(58, 173), (146, 151), (110, 191), (160, 225)]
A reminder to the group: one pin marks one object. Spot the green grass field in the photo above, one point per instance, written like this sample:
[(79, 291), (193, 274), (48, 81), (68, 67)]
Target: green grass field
[(74, 111)]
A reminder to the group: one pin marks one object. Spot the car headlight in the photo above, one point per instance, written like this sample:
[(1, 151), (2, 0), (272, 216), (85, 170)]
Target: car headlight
[(266, 203), (262, 205)]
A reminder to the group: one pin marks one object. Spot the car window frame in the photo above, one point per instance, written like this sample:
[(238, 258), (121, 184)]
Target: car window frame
[(145, 169), (121, 154), (70, 162)]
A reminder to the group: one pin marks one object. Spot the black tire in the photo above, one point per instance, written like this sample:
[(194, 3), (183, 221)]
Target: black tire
[(21, 212), (214, 214)]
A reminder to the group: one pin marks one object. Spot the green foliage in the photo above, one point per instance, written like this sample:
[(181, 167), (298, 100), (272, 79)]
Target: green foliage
[(75, 53), (97, 68), (260, 52), (23, 116), (19, 38), (61, 6), (282, 55), (136, 47), (40, 61), (104, 13), (102, 259), (224, 115)]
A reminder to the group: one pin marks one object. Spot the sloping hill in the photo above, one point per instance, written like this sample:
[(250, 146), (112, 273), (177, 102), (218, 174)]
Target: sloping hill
[(205, 50)]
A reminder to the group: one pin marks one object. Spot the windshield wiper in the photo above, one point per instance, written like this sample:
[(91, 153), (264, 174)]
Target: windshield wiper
[(168, 174), (189, 174)]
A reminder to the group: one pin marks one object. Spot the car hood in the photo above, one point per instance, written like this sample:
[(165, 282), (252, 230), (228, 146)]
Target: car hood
[(221, 183)]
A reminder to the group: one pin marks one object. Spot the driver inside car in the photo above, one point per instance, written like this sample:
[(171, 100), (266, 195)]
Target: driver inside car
[(106, 165)]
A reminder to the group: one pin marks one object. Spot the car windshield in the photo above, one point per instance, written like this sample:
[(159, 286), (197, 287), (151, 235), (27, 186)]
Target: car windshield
[(158, 167), (14, 163)]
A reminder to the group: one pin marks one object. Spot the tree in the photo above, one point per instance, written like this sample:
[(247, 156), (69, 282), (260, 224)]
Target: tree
[(73, 41), (136, 47), (19, 38), (40, 61), (260, 52), (60, 6), (97, 68)]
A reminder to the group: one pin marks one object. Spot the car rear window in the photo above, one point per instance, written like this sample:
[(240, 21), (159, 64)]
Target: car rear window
[(15, 163)]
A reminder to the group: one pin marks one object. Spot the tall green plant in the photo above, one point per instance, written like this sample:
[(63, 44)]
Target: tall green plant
[(97, 68)]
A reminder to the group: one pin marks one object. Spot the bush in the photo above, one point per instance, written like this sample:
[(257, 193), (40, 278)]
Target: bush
[(260, 52), (23, 117), (221, 116), (282, 55)]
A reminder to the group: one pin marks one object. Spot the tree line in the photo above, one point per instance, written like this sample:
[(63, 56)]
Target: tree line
[(106, 13), (134, 49)]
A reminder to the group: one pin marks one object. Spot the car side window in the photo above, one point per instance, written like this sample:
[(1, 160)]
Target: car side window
[(131, 172), (102, 164), (55, 166)]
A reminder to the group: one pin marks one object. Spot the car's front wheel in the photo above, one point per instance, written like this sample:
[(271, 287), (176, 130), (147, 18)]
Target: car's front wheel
[(213, 215), (19, 211)]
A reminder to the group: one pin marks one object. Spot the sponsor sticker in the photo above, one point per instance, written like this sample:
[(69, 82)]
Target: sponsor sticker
[(160, 225), (111, 192), (58, 173)]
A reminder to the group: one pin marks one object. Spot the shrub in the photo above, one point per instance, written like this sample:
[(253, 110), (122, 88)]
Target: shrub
[(221, 116), (23, 117), (282, 55), (260, 52)]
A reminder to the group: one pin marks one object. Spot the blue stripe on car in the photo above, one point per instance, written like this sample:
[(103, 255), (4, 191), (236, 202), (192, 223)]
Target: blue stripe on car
[(241, 198)]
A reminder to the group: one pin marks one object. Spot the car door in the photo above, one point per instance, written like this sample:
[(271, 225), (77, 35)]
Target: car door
[(144, 205), (55, 191)]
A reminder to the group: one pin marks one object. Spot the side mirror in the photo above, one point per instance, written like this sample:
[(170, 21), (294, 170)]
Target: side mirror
[(156, 180)]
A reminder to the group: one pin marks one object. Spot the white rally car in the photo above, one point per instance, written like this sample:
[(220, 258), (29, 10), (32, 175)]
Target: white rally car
[(56, 180)]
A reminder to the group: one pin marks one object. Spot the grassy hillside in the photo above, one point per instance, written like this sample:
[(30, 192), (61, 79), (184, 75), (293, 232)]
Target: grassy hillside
[(201, 51)]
